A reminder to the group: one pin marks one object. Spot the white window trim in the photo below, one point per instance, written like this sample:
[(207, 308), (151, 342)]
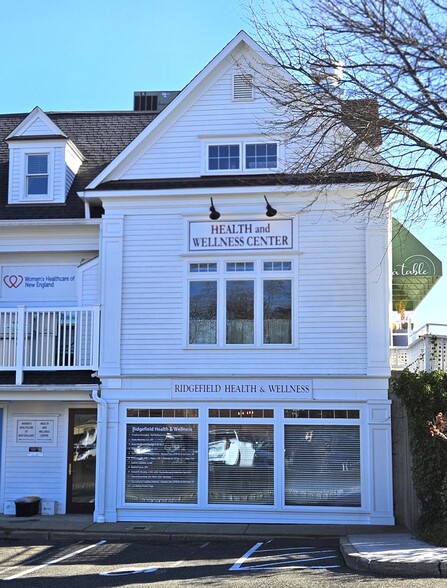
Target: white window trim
[(242, 157), (279, 422), (23, 196), (259, 275)]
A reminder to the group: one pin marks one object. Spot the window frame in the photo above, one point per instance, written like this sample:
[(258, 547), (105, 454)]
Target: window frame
[(258, 275), (243, 167), (24, 197), (29, 176)]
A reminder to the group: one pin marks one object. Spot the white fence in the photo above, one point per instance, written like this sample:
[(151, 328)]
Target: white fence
[(427, 350), (49, 339)]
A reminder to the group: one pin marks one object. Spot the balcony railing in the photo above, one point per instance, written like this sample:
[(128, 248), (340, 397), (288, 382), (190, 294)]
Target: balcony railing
[(426, 351), (48, 339)]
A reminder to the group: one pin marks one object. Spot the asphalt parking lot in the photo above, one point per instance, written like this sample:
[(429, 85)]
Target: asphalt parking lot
[(104, 563), (274, 563)]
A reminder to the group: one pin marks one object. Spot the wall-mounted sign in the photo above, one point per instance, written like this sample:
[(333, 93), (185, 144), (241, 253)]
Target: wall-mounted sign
[(242, 389), (23, 283), (415, 265), (241, 235), (35, 430)]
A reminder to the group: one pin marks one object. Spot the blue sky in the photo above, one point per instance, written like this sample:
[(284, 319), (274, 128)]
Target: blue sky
[(81, 55)]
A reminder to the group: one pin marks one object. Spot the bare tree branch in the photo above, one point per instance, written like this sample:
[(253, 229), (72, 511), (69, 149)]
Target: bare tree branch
[(367, 92)]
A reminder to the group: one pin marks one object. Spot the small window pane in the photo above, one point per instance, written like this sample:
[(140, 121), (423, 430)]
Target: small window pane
[(38, 185), (223, 157), (37, 164), (203, 267), (277, 311), (277, 266), (261, 155), (203, 313), (240, 266), (240, 312)]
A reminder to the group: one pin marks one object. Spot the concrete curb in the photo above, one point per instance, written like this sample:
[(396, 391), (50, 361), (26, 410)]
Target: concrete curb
[(391, 566)]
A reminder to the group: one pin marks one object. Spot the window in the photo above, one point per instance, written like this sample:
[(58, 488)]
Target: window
[(242, 157), (241, 305), (224, 157), (322, 465), (37, 175), (161, 462), (240, 464), (261, 156)]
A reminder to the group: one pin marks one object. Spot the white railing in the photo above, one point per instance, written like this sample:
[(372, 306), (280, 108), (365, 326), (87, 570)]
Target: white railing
[(427, 350), (49, 339)]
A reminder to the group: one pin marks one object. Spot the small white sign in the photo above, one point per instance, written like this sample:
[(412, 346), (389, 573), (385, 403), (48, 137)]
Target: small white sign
[(241, 235), (237, 389), (35, 430), (22, 283)]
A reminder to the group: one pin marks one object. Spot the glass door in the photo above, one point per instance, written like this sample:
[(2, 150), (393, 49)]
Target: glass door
[(82, 432)]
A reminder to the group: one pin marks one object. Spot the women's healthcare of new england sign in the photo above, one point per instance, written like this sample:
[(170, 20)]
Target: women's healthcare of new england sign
[(38, 283)]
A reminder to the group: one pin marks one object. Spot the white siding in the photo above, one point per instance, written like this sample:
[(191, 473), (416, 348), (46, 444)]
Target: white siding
[(331, 317), (89, 283), (43, 476), (15, 180), (37, 127), (178, 152)]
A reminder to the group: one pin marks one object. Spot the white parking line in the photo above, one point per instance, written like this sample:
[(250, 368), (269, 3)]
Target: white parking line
[(291, 561), (54, 561), (244, 558), (313, 555)]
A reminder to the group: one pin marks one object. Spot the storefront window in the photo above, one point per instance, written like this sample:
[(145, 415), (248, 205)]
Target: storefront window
[(161, 463), (240, 464), (322, 465)]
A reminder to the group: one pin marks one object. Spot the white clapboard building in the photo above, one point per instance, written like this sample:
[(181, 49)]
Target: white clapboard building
[(182, 337)]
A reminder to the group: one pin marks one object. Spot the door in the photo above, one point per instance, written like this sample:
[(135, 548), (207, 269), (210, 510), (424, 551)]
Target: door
[(82, 432)]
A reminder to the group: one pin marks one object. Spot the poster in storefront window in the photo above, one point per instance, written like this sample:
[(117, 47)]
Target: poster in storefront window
[(161, 463)]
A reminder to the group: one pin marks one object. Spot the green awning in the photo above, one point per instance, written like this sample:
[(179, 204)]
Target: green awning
[(415, 269)]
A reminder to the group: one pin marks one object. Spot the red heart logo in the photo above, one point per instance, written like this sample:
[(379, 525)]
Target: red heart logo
[(13, 281)]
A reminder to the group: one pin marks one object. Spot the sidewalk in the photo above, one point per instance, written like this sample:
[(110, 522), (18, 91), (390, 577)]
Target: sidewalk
[(389, 551)]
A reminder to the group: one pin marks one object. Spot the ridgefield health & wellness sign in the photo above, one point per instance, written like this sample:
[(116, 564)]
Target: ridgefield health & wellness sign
[(241, 235)]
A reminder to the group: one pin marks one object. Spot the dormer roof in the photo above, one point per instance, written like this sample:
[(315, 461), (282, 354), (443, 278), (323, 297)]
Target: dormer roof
[(37, 125)]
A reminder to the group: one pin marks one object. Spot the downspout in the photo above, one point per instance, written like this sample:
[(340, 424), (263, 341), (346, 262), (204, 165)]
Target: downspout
[(100, 457)]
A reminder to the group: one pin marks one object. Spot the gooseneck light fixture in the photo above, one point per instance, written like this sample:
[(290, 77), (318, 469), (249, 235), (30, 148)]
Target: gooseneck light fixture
[(270, 210), (214, 214)]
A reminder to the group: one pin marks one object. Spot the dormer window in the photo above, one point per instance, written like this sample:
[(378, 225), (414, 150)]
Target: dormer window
[(37, 175), (43, 161)]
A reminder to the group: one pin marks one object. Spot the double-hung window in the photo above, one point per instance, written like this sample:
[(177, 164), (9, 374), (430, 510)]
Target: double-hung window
[(240, 303), (242, 157), (37, 175)]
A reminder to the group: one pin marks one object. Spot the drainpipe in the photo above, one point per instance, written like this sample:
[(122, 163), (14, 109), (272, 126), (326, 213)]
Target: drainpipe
[(100, 456)]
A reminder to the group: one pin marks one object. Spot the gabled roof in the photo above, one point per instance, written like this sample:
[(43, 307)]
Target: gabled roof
[(139, 143), (36, 124), (100, 136)]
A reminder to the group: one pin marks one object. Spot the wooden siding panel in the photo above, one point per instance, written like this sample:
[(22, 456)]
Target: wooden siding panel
[(178, 152), (331, 297), (90, 284), (43, 476)]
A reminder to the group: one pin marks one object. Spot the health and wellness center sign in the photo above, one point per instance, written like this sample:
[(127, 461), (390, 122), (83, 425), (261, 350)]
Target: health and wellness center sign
[(241, 235)]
